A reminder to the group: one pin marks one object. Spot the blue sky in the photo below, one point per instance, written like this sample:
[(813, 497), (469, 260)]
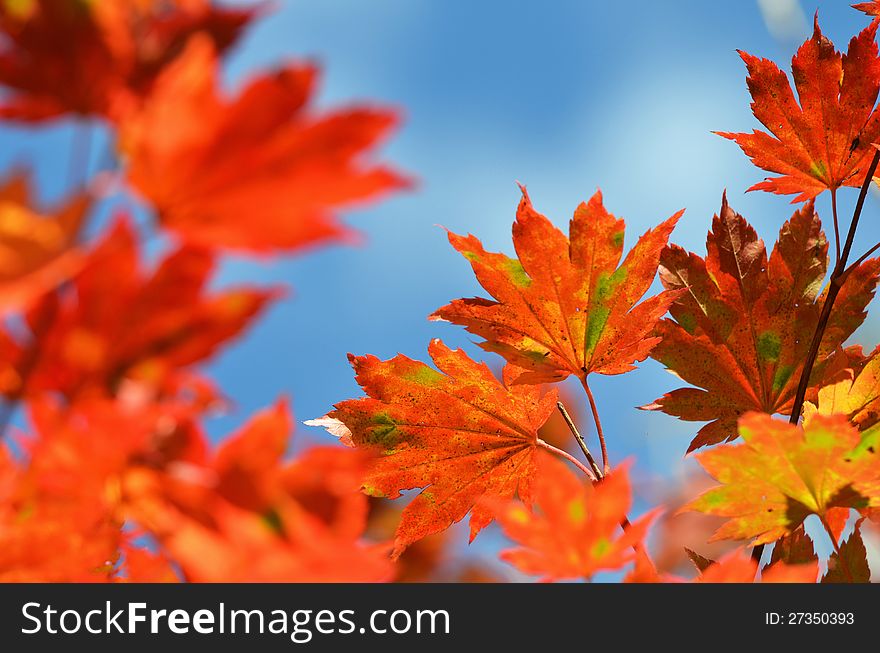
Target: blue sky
[(565, 97)]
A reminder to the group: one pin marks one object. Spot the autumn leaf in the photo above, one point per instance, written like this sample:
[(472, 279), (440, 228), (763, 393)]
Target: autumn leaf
[(573, 528), (37, 252), (59, 517), (738, 567), (459, 434), (245, 513), (871, 8), (700, 562), (117, 322), (565, 307), (821, 140), (289, 546), (740, 329), (849, 564), (855, 394), (782, 473), (87, 58), (145, 566), (796, 548), (301, 164)]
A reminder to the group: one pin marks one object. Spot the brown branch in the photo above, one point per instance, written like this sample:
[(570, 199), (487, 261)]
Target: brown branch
[(836, 225), (838, 277), (580, 440), (835, 283)]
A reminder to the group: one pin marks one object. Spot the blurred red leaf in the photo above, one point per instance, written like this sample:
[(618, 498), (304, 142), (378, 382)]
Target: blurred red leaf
[(119, 323), (90, 58), (37, 252), (573, 528), (260, 172)]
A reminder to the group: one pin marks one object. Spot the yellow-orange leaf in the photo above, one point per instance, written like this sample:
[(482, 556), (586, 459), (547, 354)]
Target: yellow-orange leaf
[(782, 473), (37, 252)]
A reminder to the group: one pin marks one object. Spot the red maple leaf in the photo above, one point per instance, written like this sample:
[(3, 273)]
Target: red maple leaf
[(823, 139), (460, 434), (118, 323), (260, 172), (737, 332)]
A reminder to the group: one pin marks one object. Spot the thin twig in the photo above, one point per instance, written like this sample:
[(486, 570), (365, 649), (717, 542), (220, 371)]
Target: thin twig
[(605, 464), (580, 440), (838, 276), (574, 461), (597, 473), (836, 225), (860, 260)]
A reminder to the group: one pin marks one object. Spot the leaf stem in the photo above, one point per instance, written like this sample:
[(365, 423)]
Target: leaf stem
[(574, 461), (836, 225), (605, 465), (861, 260), (838, 276), (596, 475), (580, 440)]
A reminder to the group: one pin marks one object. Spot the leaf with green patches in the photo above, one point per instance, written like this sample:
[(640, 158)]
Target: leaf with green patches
[(782, 473), (740, 330), (459, 434), (565, 306)]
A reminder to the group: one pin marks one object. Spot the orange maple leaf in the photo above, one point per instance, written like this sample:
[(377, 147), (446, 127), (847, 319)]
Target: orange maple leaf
[(783, 473), (565, 307), (737, 331), (735, 566), (88, 58), (823, 142), (573, 528), (59, 516), (460, 434), (117, 323), (260, 172), (290, 545), (738, 567), (37, 252)]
